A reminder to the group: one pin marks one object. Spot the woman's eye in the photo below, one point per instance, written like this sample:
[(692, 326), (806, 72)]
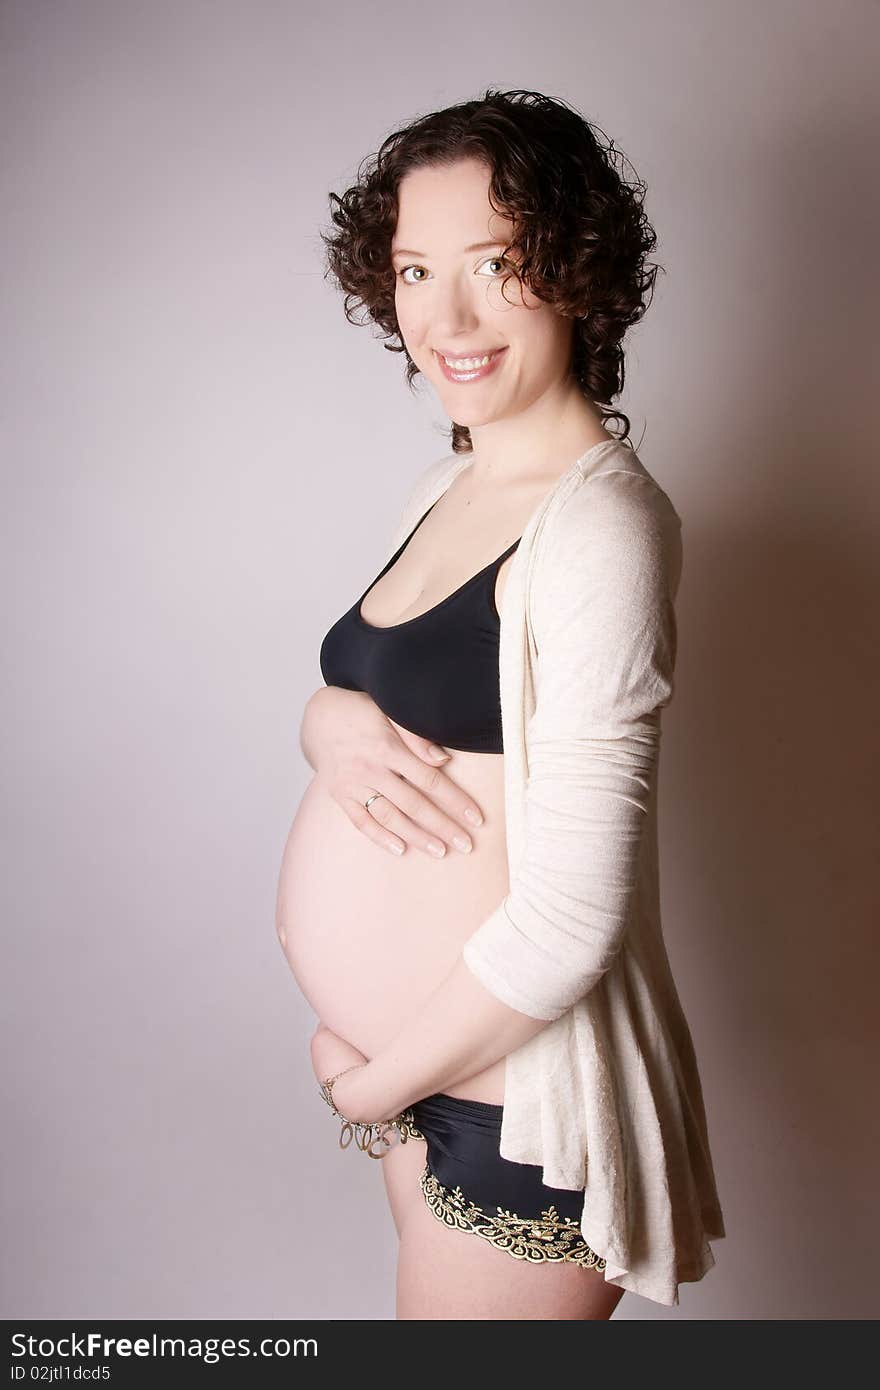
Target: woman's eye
[(490, 260)]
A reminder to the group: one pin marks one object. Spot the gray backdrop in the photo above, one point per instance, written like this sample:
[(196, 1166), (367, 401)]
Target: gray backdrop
[(184, 404)]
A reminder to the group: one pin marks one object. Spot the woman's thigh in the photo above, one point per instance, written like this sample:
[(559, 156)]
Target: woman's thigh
[(445, 1273), (401, 1168)]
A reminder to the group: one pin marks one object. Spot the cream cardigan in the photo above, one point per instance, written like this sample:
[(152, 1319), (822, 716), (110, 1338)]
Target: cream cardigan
[(607, 1097)]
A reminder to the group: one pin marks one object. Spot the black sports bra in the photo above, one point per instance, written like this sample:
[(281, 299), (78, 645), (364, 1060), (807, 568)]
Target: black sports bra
[(435, 674)]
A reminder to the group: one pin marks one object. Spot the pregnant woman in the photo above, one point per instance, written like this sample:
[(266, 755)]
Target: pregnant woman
[(479, 934)]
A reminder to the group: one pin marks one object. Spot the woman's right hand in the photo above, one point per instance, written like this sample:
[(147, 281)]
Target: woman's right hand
[(357, 750)]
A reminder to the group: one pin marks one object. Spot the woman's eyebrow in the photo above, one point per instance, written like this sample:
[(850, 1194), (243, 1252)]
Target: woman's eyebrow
[(477, 246)]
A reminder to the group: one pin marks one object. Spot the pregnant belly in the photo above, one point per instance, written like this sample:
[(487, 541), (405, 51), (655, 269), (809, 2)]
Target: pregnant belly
[(369, 935)]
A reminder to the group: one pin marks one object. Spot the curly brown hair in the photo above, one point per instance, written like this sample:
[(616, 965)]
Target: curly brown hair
[(580, 232)]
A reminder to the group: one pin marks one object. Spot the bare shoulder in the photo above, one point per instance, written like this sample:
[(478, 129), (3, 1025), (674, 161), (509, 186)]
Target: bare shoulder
[(434, 476), (426, 482)]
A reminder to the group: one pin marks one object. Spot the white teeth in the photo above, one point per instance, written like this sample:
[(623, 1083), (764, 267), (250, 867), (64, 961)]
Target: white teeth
[(467, 364)]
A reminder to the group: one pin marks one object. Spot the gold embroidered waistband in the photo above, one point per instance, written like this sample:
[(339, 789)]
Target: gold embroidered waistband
[(546, 1237), (412, 1129)]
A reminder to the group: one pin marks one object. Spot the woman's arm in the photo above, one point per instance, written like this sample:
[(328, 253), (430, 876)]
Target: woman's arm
[(604, 625), (460, 1030)]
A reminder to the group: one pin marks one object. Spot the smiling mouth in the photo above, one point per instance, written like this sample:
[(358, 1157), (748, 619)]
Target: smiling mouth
[(469, 368)]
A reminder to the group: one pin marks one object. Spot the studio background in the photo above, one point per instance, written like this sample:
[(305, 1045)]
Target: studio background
[(184, 405)]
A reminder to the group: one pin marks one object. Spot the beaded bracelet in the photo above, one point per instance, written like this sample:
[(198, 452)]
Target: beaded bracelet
[(361, 1132)]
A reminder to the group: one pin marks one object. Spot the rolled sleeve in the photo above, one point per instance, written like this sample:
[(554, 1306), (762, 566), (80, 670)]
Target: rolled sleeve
[(602, 605)]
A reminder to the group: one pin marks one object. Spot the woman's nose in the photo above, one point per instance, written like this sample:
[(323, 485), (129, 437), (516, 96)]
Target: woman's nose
[(454, 313)]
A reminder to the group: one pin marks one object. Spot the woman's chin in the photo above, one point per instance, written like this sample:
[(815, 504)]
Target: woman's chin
[(469, 414)]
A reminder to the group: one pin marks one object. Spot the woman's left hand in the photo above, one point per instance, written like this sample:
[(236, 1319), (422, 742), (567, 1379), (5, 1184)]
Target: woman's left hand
[(332, 1054)]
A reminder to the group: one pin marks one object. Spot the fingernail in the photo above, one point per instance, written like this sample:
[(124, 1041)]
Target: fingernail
[(473, 816), (435, 849), (437, 752), (461, 843)]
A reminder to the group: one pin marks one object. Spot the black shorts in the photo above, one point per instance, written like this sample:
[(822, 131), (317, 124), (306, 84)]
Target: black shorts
[(469, 1186)]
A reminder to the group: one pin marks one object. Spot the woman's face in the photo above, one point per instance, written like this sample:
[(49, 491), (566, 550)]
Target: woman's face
[(449, 301)]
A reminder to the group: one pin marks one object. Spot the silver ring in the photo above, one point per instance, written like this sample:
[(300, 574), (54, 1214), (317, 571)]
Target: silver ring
[(371, 799)]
